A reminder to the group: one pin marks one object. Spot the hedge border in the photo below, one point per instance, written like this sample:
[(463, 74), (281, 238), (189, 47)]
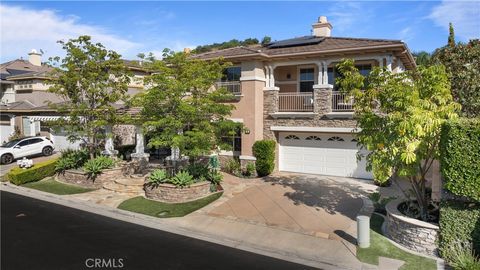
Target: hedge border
[(20, 176)]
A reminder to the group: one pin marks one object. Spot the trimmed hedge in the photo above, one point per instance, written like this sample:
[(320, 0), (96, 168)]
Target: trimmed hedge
[(459, 223), (264, 151), (460, 157), (19, 176)]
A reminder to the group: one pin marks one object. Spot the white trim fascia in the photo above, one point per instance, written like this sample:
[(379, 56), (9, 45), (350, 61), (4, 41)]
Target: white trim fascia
[(248, 158), (252, 78), (271, 88), (316, 129), (236, 120)]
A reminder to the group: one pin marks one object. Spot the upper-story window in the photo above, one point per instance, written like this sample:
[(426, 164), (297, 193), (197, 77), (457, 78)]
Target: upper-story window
[(307, 79), (232, 74), (333, 74)]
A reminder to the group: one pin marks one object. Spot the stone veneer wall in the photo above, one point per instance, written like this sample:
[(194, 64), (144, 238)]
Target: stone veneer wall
[(124, 134), (322, 106), (171, 194), (79, 177), (411, 233)]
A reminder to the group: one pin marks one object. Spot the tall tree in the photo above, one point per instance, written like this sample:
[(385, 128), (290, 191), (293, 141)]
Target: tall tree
[(422, 58), (182, 109), (399, 116), (451, 36), (91, 79)]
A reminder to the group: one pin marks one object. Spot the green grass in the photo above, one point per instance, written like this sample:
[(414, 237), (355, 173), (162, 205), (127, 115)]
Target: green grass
[(380, 246), (164, 210), (52, 186)]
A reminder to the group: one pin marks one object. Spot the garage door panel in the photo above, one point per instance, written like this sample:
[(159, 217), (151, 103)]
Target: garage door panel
[(319, 155)]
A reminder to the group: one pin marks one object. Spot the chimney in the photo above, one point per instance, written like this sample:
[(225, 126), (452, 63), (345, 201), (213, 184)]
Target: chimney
[(35, 58), (322, 28)]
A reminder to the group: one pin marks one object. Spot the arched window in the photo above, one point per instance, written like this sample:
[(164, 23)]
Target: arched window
[(354, 140), (335, 139), (292, 137), (313, 138)]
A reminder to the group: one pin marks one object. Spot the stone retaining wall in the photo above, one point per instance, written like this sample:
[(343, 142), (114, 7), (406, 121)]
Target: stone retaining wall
[(79, 177), (172, 194), (411, 233)]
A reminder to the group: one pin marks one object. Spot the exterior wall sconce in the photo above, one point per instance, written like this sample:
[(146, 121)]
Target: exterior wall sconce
[(246, 131)]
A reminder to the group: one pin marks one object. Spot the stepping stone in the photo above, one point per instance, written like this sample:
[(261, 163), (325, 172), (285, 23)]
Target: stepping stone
[(389, 264), (118, 188), (135, 182)]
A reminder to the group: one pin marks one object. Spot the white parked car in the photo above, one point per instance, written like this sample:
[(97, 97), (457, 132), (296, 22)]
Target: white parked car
[(25, 147)]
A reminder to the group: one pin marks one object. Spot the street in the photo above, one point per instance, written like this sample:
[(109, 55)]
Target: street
[(39, 235)]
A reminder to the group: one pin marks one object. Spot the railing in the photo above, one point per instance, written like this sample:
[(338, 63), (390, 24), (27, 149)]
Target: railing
[(342, 102), (295, 102), (233, 86)]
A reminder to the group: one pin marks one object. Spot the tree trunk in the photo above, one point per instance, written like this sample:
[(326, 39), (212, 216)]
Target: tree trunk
[(418, 185)]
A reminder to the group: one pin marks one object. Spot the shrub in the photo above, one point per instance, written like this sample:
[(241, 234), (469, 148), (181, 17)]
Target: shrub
[(198, 171), (459, 223), (182, 179), (249, 169), (460, 157), (232, 166), (214, 177), (264, 151), (94, 167), (463, 257), (71, 159), (19, 176), (157, 177)]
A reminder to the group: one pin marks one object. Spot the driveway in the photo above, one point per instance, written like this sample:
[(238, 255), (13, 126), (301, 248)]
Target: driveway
[(323, 206), (6, 168)]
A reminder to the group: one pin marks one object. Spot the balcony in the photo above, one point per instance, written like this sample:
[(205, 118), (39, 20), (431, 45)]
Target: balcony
[(295, 102), (342, 102), (233, 86)]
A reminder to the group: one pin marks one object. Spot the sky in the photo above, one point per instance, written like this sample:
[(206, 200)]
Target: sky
[(141, 27)]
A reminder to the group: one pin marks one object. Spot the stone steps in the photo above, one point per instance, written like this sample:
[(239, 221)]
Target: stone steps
[(124, 186)]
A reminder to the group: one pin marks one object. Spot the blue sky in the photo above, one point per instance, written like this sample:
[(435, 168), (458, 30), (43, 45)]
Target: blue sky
[(133, 27)]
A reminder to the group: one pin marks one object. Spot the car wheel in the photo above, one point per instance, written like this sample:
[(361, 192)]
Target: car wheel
[(47, 151), (6, 159)]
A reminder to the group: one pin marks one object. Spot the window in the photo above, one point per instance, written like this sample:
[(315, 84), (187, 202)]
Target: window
[(232, 74), (234, 141), (333, 73), (307, 79), (335, 139), (37, 140), (292, 137), (313, 138), (24, 143)]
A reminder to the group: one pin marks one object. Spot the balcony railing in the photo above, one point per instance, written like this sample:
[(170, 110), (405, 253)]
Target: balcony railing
[(233, 86), (295, 102), (342, 102)]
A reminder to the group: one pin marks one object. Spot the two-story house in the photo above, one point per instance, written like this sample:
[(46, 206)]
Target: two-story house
[(286, 92)]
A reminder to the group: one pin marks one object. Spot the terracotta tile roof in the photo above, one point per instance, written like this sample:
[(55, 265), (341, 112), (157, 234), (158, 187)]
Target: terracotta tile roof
[(324, 44)]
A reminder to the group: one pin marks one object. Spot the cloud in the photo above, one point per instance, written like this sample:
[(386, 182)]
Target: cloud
[(345, 15), (463, 14), (405, 34), (23, 29)]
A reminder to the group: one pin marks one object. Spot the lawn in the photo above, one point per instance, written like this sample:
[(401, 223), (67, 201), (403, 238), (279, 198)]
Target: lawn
[(164, 210), (380, 246), (52, 186)]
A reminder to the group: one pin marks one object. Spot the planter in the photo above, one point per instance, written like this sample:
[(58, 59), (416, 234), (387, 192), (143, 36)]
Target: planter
[(79, 177), (414, 234), (171, 194)]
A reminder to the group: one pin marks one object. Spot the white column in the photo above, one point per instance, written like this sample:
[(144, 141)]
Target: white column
[(32, 127), (109, 148), (272, 76), (389, 62), (325, 72), (320, 73), (267, 76), (380, 62), (140, 145)]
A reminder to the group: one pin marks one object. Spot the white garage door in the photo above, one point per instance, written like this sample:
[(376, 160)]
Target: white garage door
[(321, 153), (61, 142)]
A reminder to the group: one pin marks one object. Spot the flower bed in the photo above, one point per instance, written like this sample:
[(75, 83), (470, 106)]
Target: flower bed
[(412, 233), (172, 194), (81, 178)]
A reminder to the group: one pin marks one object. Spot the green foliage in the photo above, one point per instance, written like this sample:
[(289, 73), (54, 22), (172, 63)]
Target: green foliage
[(266, 40), (20, 176), (264, 151), (232, 166), (91, 79), (214, 177), (181, 110), (422, 58), (182, 179), (214, 163), (71, 159), (463, 257), (451, 35), (157, 177), (400, 116), (225, 45), (462, 62), (198, 170), (380, 202), (94, 167), (459, 225), (249, 169), (460, 157)]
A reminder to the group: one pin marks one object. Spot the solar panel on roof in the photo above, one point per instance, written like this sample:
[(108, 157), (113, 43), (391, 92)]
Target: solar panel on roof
[(306, 40)]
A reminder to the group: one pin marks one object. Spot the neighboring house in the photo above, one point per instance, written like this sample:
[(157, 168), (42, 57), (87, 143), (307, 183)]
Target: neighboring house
[(24, 99), (286, 92)]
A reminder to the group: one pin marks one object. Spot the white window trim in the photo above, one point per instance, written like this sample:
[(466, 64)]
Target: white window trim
[(315, 74)]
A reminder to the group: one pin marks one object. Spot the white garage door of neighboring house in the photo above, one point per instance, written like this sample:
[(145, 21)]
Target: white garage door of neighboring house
[(61, 142), (321, 153)]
